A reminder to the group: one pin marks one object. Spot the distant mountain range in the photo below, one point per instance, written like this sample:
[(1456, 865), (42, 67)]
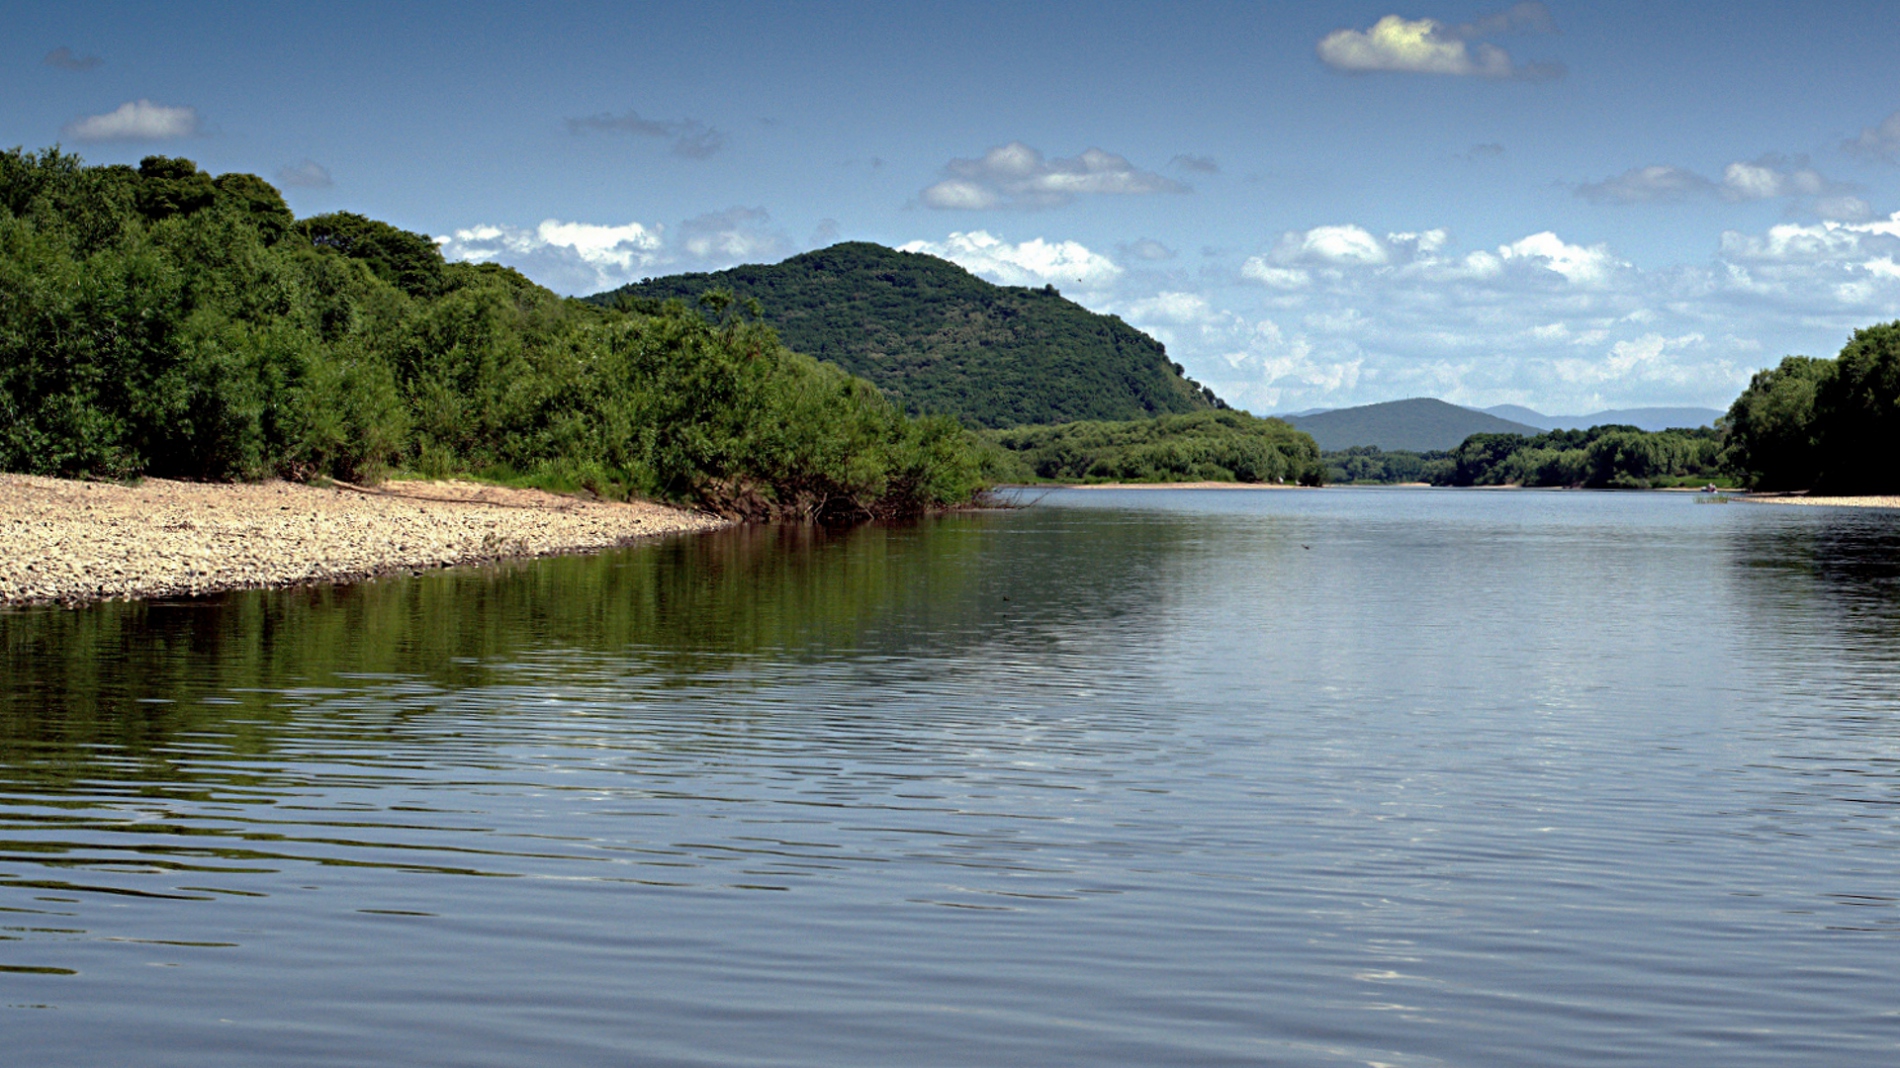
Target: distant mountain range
[(1640, 418), (938, 339), (1420, 424), (1423, 424)]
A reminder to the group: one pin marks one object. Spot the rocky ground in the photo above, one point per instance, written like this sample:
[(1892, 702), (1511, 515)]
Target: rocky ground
[(71, 542)]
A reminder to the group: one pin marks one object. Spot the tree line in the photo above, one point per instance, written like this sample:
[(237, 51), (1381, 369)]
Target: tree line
[(1215, 446), (163, 321)]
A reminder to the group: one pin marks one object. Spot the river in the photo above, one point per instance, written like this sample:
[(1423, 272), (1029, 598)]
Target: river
[(1340, 777)]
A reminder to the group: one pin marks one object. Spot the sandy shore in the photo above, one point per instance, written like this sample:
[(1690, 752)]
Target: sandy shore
[(71, 542), (1821, 502)]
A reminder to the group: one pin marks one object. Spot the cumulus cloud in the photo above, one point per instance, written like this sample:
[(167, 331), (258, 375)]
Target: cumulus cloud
[(582, 257), (137, 120), (690, 137), (571, 257), (1574, 263), (1879, 141), (1330, 245), (1018, 176), (305, 174), (66, 59), (1428, 46), (1345, 315), (1030, 263)]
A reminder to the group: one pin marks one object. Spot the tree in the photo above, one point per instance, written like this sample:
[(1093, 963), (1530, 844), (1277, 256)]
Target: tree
[(1772, 426), (1857, 412)]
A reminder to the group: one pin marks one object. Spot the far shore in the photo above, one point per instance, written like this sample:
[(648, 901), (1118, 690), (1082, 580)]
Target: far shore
[(1886, 501), (68, 542), (1153, 485)]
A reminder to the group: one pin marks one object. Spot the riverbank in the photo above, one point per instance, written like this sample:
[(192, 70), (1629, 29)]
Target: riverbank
[(1153, 485), (1886, 501), (69, 542)]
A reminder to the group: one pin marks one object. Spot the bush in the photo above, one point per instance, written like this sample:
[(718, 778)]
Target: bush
[(162, 321)]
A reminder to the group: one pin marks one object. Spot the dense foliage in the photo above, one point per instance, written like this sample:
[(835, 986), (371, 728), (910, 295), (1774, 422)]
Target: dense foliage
[(1832, 426), (1225, 446), (939, 340), (1618, 457), (1368, 465), (163, 321)]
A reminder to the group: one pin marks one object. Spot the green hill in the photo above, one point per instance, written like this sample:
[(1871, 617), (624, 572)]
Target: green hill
[(939, 340), (1421, 424)]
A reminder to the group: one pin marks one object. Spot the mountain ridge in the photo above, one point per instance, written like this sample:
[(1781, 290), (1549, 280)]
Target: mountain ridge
[(1416, 424), (939, 340)]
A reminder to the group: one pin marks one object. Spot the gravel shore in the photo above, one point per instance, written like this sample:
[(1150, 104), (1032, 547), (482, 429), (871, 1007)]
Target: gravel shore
[(71, 542), (1822, 502)]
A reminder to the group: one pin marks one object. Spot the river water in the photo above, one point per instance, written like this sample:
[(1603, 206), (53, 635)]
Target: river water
[(1372, 777)]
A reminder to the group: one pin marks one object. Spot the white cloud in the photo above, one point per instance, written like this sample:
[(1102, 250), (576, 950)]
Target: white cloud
[(1030, 263), (1583, 266), (570, 257), (1337, 245), (1260, 270), (1559, 325), (137, 120), (1428, 46), (1018, 176), (1172, 307), (306, 174), (582, 257)]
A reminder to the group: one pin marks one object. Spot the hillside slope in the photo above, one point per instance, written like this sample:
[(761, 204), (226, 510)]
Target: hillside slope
[(1420, 424), (939, 340)]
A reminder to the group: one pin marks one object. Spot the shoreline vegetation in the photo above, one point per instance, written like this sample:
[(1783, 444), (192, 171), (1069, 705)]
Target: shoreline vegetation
[(182, 341), (163, 322), (72, 542)]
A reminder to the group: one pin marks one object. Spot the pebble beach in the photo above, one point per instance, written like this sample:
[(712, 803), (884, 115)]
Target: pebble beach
[(68, 542)]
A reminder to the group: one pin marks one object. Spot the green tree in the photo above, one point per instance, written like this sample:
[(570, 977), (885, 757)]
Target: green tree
[(1857, 413), (1772, 427)]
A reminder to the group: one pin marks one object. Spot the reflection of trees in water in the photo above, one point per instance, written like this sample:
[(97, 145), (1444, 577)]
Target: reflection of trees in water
[(126, 679), (1828, 583)]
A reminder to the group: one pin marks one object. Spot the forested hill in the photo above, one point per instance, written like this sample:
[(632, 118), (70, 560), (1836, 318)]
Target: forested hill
[(939, 340)]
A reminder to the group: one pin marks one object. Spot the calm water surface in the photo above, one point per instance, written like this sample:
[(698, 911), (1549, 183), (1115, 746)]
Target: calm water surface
[(1134, 778)]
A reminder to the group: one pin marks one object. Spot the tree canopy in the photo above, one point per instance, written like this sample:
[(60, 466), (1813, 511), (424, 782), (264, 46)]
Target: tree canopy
[(1832, 426), (162, 321), (939, 340), (1224, 446)]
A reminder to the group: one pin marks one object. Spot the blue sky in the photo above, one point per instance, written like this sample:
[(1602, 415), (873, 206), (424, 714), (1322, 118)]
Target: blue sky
[(1566, 206)]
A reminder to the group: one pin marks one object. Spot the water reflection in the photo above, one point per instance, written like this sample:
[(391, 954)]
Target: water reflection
[(1177, 779)]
